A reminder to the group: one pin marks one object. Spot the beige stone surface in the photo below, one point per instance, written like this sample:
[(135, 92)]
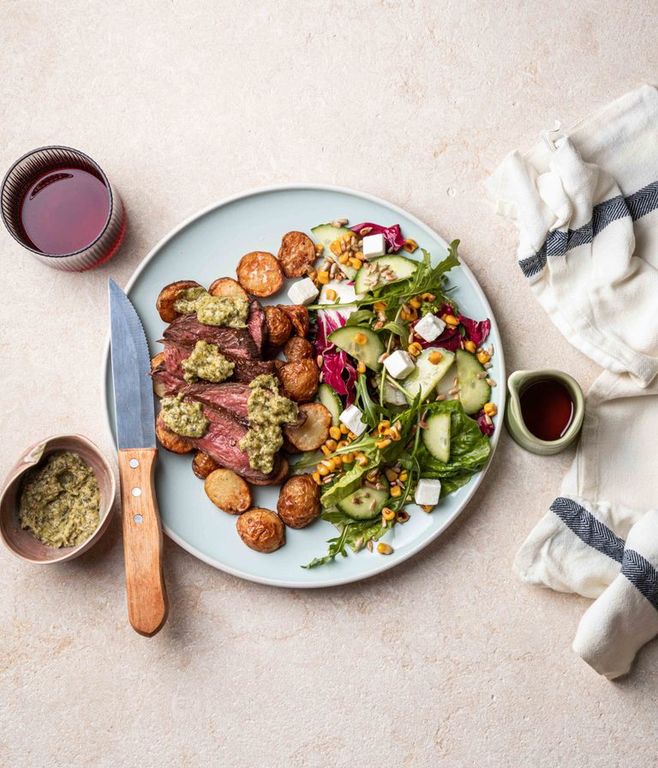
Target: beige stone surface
[(447, 660)]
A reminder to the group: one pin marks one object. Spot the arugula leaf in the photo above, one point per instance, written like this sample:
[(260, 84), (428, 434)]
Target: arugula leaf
[(353, 534), (360, 316), (336, 547), (399, 330), (371, 410)]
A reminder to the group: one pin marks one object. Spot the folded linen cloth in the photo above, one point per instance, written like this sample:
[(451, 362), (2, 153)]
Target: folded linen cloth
[(625, 616), (586, 206)]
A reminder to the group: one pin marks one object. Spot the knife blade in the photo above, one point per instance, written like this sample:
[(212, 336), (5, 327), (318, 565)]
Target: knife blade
[(135, 429)]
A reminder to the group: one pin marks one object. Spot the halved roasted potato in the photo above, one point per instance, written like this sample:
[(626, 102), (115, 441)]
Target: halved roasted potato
[(299, 501), (299, 380), (297, 254), (169, 295), (279, 326), (259, 273), (170, 440), (261, 529), (203, 465), (299, 317), (227, 286), (313, 430), (297, 348), (228, 491)]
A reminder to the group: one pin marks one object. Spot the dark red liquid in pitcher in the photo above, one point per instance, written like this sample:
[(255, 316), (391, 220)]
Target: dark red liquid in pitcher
[(64, 211), (547, 409)]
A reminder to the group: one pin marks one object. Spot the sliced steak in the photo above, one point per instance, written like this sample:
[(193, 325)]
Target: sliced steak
[(247, 370), (230, 396), (221, 443), (256, 325), (236, 343)]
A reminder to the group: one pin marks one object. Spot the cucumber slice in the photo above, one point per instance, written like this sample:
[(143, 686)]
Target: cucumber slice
[(474, 391), (331, 402), (326, 234), (364, 503), (427, 375), (369, 352), (368, 279), (437, 436)]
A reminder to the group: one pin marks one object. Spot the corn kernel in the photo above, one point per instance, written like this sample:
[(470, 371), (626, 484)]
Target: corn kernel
[(344, 259), (483, 357), (359, 255), (341, 444), (388, 514), (344, 430), (394, 433), (470, 346), (415, 303), (396, 491), (414, 349), (404, 476), (331, 294), (384, 549), (410, 245), (331, 445), (428, 297), (382, 427), (323, 277), (435, 357), (351, 436), (347, 458), (391, 474), (360, 338), (490, 409), (450, 320), (361, 367), (316, 477), (336, 462), (335, 432), (325, 450), (335, 247), (379, 306), (312, 273), (356, 263), (427, 507), (322, 470), (381, 444), (361, 459)]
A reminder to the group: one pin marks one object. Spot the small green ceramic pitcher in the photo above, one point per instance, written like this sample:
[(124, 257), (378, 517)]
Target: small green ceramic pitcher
[(516, 384)]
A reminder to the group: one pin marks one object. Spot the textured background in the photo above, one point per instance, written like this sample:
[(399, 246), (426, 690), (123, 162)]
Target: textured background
[(447, 660)]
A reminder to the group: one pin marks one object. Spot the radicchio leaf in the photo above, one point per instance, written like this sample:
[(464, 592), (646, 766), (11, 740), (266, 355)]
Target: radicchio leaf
[(476, 330), (486, 427), (392, 235), (337, 371)]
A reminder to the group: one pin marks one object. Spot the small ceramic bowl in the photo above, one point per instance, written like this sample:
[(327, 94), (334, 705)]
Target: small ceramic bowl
[(22, 543), (516, 383)]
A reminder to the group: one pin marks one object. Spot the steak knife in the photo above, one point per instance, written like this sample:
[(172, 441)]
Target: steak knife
[(135, 433)]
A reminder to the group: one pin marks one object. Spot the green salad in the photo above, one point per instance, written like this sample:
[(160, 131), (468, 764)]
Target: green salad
[(405, 378)]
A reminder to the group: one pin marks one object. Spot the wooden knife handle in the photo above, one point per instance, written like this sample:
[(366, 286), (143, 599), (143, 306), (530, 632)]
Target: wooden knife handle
[(142, 541)]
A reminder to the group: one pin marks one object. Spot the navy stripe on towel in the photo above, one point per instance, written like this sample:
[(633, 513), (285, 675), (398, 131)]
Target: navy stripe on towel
[(588, 528), (642, 575), (558, 242)]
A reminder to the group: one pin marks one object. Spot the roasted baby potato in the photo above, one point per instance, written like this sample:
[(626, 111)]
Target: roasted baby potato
[(203, 465), (169, 295), (228, 491), (227, 286), (297, 254), (261, 529), (281, 470), (300, 380), (299, 501), (279, 326), (297, 348), (170, 440), (298, 315), (259, 273), (313, 430)]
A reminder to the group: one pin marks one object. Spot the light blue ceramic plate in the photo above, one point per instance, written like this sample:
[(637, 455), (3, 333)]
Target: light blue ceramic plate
[(208, 246)]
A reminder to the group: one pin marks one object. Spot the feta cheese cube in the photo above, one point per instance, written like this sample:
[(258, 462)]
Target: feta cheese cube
[(429, 327), (399, 364), (303, 291), (427, 492), (373, 245), (351, 418)]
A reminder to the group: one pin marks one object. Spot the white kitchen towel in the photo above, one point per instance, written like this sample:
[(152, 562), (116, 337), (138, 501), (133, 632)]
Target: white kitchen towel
[(625, 616), (577, 545), (586, 206)]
